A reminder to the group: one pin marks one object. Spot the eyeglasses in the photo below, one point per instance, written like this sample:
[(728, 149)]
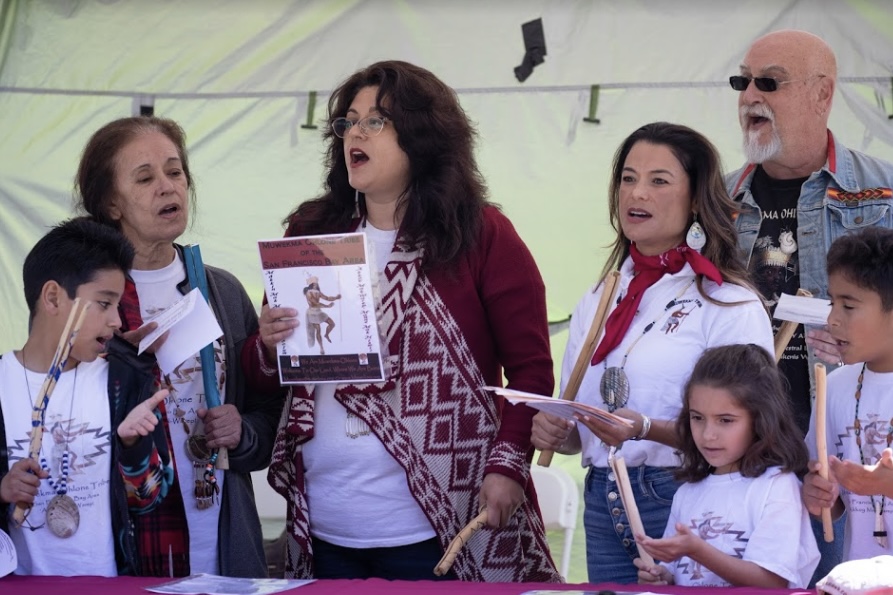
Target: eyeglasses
[(370, 125), (764, 83)]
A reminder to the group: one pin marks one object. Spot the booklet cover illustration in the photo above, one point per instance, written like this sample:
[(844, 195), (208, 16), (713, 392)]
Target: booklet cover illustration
[(329, 281)]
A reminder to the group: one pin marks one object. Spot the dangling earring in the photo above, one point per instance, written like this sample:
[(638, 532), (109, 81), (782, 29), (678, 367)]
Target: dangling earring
[(356, 204), (696, 238)]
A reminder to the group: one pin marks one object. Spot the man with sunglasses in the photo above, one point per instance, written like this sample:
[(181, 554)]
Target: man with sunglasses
[(799, 191)]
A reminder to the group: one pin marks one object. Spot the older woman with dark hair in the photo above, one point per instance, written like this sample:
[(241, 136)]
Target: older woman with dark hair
[(682, 289), (380, 477), (134, 175)]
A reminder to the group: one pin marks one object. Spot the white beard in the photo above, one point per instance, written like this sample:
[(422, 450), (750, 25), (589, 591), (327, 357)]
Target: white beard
[(757, 152)]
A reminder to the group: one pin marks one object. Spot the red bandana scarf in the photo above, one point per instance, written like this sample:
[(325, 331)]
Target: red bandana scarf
[(649, 269)]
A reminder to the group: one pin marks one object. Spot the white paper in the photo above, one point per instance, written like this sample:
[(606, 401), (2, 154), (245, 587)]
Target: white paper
[(190, 324), (558, 407), (8, 558), (212, 584), (802, 309)]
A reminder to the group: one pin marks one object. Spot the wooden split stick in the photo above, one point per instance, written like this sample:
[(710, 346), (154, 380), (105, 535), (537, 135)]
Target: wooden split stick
[(60, 358), (582, 363), (459, 542), (821, 440), (786, 331), (618, 466)]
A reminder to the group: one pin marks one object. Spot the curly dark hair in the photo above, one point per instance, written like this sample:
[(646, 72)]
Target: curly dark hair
[(709, 198), (441, 207), (866, 259), (749, 373)]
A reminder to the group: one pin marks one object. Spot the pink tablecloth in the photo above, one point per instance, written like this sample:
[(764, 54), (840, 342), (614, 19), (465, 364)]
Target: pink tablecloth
[(37, 585)]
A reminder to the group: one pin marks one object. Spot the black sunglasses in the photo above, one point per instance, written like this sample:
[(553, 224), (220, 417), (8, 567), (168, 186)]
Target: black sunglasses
[(763, 83)]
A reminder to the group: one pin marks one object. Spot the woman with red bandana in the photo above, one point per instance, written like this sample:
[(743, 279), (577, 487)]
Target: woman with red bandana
[(682, 289)]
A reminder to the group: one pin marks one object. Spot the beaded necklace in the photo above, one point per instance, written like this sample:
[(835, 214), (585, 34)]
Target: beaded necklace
[(880, 532), (62, 514)]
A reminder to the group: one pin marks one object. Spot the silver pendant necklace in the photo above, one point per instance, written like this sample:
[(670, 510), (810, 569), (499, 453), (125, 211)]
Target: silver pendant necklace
[(205, 487), (614, 385), (62, 515)]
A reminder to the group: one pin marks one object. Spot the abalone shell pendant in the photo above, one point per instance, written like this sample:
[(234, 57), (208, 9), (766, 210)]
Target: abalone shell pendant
[(197, 448), (614, 388), (63, 516)]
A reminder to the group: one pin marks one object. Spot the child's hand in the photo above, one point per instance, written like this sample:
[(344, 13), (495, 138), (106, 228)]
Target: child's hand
[(818, 493), (22, 481), (141, 420), (653, 574), (672, 548), (867, 480)]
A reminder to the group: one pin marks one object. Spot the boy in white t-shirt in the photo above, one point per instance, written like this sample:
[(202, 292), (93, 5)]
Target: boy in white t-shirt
[(98, 459), (859, 427)]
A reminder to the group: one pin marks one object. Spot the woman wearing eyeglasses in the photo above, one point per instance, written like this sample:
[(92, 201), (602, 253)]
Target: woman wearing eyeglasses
[(380, 477), (681, 290)]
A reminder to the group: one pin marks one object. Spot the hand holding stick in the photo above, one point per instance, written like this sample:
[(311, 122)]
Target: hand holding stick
[(458, 542), (582, 363), (821, 439), (786, 331), (195, 272), (60, 359), (618, 466)]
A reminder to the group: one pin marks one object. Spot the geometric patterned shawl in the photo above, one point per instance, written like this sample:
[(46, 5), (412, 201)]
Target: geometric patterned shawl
[(437, 423)]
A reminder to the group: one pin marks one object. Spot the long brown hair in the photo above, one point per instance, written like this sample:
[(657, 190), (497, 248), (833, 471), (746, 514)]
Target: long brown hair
[(441, 207), (749, 373), (709, 199)]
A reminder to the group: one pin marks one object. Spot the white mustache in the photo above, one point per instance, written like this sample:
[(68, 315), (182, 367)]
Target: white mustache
[(759, 110)]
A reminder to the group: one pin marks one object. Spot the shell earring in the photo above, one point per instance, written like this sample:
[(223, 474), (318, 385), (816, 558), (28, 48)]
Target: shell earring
[(696, 238)]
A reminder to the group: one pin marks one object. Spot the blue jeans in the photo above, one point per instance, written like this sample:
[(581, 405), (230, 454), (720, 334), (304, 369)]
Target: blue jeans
[(831, 553), (610, 546), (406, 563)]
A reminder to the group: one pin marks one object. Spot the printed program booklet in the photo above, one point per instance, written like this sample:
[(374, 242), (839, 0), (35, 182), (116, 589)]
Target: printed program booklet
[(329, 281), (559, 407), (212, 584)]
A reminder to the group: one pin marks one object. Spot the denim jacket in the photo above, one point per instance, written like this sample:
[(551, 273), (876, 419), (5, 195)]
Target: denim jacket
[(851, 191)]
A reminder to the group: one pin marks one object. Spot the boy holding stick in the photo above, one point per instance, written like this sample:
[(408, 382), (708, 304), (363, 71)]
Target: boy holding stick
[(859, 417), (78, 434)]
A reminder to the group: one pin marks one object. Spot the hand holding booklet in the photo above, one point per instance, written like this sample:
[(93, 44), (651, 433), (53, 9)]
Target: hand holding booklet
[(559, 407)]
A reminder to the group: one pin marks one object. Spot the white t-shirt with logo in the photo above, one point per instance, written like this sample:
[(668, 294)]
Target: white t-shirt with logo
[(347, 477), (77, 421), (157, 291), (876, 423), (757, 519)]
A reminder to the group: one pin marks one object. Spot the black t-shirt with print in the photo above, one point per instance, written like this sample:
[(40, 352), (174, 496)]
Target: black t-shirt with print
[(775, 268)]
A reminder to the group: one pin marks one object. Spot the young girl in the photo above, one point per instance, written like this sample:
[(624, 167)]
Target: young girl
[(739, 519)]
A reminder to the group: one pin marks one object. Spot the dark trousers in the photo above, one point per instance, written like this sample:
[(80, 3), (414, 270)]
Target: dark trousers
[(412, 562)]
